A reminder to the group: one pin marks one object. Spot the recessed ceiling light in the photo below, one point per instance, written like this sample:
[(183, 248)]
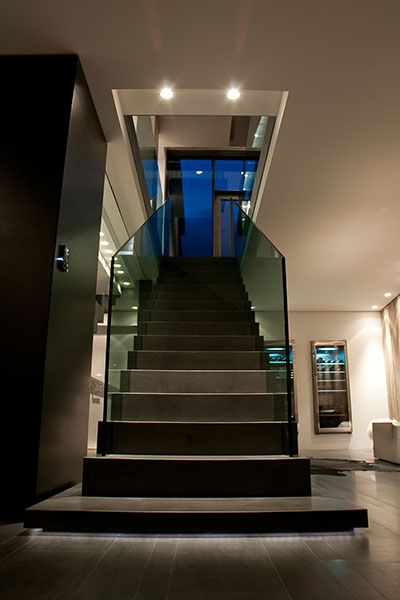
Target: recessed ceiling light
[(104, 243), (120, 272), (233, 94), (199, 172), (126, 283), (101, 233), (108, 251), (166, 93), (374, 307), (134, 307), (387, 294)]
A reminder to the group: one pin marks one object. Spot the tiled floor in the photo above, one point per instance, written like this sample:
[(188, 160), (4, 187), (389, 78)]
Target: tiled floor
[(364, 565)]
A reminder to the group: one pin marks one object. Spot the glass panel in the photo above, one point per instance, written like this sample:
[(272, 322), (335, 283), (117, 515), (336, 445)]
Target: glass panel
[(226, 228), (135, 267), (262, 269), (146, 139)]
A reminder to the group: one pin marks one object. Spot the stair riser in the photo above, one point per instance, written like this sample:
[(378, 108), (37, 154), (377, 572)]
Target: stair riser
[(191, 478), (197, 407), (109, 521), (206, 275), (194, 381), (194, 304), (152, 359), (195, 438), (218, 287), (204, 342), (208, 316), (200, 294), (200, 328)]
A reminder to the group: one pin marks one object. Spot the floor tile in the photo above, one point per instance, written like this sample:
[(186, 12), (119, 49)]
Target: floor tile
[(118, 574), (304, 575), (219, 567), (43, 575), (352, 581), (385, 577)]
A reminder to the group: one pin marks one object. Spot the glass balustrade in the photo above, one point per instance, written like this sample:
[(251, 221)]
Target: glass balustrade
[(136, 268)]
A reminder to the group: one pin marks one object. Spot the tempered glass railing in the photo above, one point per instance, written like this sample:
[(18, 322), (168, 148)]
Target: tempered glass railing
[(136, 267), (263, 270), (133, 268)]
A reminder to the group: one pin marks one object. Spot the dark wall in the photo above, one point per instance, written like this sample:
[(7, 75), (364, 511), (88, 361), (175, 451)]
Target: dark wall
[(52, 154)]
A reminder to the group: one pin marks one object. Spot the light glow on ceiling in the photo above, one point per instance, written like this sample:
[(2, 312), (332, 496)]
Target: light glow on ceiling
[(233, 94), (387, 294), (166, 93), (374, 307)]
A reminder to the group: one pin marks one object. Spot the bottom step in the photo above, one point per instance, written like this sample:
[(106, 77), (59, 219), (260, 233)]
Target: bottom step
[(196, 476), (193, 515)]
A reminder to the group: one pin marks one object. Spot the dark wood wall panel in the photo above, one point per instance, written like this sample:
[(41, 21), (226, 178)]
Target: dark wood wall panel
[(47, 188)]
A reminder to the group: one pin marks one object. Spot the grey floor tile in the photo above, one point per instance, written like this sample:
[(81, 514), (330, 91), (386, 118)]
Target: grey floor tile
[(49, 542), (12, 546), (377, 544), (9, 530), (32, 575), (304, 575), (157, 576), (384, 577), (352, 581), (119, 573), (319, 547), (224, 567)]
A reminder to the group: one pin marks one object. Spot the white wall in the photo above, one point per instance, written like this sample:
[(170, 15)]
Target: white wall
[(363, 333)]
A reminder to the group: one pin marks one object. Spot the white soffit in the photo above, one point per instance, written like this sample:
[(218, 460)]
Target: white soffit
[(200, 102)]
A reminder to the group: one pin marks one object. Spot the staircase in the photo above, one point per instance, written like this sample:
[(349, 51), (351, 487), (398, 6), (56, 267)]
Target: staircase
[(196, 408), (196, 441)]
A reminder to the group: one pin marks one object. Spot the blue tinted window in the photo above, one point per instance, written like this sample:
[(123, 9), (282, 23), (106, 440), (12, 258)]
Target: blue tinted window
[(197, 201), (229, 175)]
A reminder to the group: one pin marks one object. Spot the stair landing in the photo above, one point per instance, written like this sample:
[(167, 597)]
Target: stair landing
[(68, 512)]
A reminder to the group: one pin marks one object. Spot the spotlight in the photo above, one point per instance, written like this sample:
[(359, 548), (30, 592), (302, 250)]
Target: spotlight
[(166, 93), (233, 94)]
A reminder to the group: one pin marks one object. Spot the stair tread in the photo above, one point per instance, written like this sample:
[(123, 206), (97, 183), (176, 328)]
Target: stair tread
[(197, 457), (115, 504), (227, 394)]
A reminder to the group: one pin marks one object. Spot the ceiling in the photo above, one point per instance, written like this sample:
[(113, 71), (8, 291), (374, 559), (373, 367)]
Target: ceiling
[(331, 202)]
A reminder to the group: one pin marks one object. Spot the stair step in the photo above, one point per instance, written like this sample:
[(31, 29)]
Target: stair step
[(198, 477), (218, 287), (199, 260), (201, 273), (169, 438), (194, 304), (139, 406), (207, 316), (198, 294), (188, 381), (197, 328), (198, 342), (197, 359), (194, 515)]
